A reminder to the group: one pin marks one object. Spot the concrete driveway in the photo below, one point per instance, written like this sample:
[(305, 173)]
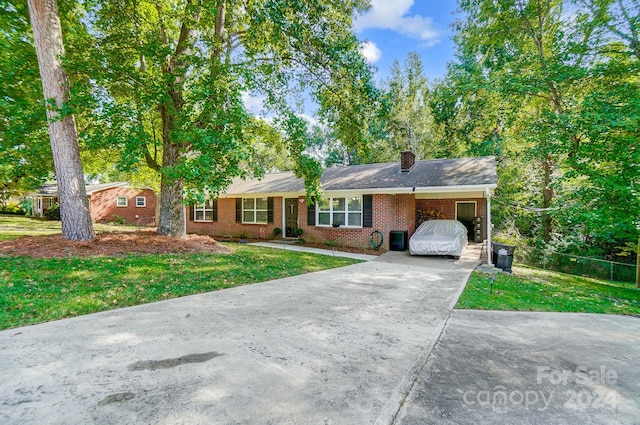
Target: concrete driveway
[(342, 346), (371, 343), (498, 367)]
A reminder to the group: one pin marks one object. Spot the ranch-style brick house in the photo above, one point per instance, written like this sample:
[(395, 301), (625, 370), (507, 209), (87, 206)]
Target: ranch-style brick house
[(358, 200), (107, 202)]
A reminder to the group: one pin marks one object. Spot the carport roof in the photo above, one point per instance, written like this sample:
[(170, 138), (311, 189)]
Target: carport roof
[(459, 173)]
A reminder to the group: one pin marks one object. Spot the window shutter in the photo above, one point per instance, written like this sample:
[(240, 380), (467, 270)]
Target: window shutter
[(238, 210), (215, 210), (311, 212), (192, 215), (367, 211), (269, 210)]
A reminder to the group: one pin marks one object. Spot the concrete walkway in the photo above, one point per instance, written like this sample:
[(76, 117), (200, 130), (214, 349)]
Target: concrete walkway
[(471, 253), (341, 346), (301, 248)]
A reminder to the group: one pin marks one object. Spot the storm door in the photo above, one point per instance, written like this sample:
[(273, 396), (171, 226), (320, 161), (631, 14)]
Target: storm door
[(291, 217)]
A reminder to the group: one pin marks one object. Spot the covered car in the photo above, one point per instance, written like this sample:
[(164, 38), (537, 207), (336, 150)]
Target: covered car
[(439, 237)]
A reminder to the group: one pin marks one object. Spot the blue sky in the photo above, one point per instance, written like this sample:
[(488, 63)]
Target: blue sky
[(393, 28), (390, 30)]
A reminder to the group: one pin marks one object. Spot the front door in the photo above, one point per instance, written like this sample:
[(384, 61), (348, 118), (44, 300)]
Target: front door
[(291, 217), (465, 214)]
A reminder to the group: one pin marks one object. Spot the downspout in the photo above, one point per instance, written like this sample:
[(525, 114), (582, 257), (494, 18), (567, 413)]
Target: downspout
[(186, 217), (489, 251)]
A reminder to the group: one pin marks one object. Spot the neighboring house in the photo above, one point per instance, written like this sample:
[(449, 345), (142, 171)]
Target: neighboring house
[(39, 202), (360, 199), (107, 202)]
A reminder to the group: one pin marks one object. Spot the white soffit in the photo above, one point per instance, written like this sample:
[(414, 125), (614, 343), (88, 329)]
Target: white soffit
[(451, 195)]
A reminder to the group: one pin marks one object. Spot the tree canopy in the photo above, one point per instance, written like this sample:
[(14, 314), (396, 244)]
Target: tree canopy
[(166, 81), (159, 92), (552, 88)]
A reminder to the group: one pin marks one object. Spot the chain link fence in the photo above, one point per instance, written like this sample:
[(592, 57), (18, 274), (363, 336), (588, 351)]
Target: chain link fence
[(577, 265)]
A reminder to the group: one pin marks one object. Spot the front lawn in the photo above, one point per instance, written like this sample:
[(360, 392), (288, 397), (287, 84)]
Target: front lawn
[(15, 226), (39, 290), (529, 289)]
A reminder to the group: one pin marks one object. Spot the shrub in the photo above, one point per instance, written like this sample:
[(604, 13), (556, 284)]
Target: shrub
[(13, 208), (53, 213), (118, 219), (331, 243), (277, 231)]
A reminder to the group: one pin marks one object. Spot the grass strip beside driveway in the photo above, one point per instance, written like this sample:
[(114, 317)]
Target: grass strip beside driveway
[(529, 289), (39, 290)]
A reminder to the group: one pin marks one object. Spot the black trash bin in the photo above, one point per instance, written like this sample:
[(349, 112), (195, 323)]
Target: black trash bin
[(503, 256), (398, 240)]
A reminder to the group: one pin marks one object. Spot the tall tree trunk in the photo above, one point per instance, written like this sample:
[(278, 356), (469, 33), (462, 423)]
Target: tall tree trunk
[(72, 196), (547, 198), (172, 219)]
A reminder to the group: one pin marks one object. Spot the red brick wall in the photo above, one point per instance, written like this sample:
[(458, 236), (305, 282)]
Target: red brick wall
[(384, 207), (384, 219), (390, 212), (448, 207), (406, 213), (226, 225), (104, 209)]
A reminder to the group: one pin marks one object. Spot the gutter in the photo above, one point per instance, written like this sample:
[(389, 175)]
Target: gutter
[(485, 188)]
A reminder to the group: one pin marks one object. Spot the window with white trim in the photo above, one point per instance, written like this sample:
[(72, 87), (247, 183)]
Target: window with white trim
[(122, 201), (141, 201), (204, 211), (255, 210), (344, 211)]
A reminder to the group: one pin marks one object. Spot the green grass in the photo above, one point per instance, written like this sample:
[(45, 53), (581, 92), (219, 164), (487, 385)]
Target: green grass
[(15, 226), (39, 290), (531, 289)]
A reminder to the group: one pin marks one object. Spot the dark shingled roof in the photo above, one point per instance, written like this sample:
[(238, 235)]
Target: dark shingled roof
[(480, 171), (52, 189)]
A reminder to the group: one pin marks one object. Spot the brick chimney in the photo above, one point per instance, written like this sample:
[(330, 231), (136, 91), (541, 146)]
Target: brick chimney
[(407, 159)]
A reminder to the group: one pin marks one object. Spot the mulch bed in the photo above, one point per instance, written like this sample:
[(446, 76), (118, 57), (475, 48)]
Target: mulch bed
[(109, 244)]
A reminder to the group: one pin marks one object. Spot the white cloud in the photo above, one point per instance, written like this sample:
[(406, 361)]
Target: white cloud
[(370, 51), (393, 15), (253, 103), (309, 119)]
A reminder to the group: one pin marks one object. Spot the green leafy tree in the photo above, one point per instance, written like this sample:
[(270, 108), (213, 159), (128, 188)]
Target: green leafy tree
[(520, 46), (559, 86), (25, 153), (168, 80), (411, 125)]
